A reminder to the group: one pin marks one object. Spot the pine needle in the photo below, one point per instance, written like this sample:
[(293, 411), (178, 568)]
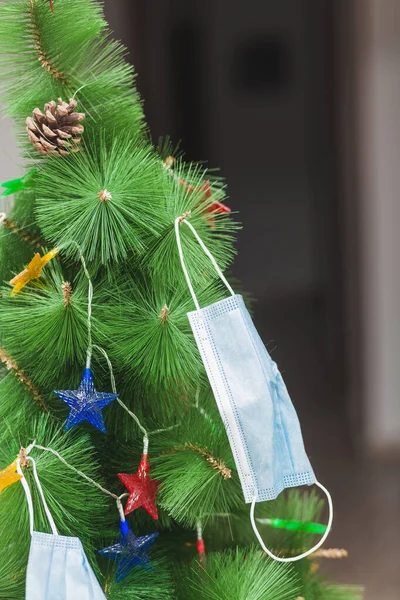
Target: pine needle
[(17, 403), (141, 584), (193, 485), (78, 508), (240, 575), (112, 200), (152, 338), (45, 56), (46, 337)]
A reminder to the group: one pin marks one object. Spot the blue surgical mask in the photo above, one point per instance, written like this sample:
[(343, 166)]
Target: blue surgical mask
[(261, 422), (57, 566)]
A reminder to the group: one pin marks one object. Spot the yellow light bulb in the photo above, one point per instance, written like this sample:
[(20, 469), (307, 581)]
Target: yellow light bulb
[(9, 476), (32, 271)]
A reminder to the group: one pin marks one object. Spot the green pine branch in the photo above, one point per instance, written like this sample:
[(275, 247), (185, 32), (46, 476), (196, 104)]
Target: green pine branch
[(78, 509), (44, 328), (239, 574), (44, 56), (107, 199), (196, 467)]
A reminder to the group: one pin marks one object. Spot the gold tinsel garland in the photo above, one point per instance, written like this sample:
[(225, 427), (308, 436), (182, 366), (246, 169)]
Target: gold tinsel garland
[(67, 293), (216, 463), (11, 365), (38, 46), (12, 226)]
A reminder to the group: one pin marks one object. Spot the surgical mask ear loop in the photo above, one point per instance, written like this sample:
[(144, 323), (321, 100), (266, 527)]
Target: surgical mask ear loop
[(29, 497), (178, 222), (305, 554)]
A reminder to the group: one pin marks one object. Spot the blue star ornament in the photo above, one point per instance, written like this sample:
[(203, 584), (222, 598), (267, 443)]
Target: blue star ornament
[(130, 552), (86, 403)]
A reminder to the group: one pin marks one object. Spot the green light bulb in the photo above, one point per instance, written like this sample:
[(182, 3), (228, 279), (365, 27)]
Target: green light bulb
[(305, 526)]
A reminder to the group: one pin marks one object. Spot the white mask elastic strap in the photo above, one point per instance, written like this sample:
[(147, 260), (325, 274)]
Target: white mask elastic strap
[(305, 554), (178, 222), (29, 496)]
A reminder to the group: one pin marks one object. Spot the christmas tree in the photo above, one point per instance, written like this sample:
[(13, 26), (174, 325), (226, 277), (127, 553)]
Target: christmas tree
[(103, 393)]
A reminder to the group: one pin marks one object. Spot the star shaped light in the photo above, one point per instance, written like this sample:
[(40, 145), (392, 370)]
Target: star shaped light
[(16, 185), (142, 489), (8, 476), (86, 403), (32, 271), (212, 209), (131, 551), (215, 207)]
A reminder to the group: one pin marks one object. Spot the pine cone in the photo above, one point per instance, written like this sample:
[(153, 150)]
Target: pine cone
[(57, 131)]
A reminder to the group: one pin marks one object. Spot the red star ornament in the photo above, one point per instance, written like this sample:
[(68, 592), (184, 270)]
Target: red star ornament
[(212, 209), (142, 489), (215, 207)]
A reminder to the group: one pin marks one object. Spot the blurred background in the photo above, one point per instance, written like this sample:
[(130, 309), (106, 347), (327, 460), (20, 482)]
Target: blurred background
[(298, 102)]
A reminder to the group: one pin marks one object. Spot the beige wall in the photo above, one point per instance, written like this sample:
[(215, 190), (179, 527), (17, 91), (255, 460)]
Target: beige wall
[(9, 160), (378, 99)]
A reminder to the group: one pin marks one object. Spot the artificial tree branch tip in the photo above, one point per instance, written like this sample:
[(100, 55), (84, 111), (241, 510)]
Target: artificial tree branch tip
[(169, 162), (164, 314), (67, 293), (23, 458), (104, 195), (185, 216)]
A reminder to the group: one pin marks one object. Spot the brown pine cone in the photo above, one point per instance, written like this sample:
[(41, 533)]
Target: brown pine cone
[(57, 131)]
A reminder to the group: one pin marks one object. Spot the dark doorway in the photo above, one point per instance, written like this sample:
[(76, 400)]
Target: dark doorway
[(251, 89)]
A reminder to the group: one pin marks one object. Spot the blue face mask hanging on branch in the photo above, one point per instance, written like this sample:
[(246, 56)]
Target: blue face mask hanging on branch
[(57, 566), (261, 422)]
